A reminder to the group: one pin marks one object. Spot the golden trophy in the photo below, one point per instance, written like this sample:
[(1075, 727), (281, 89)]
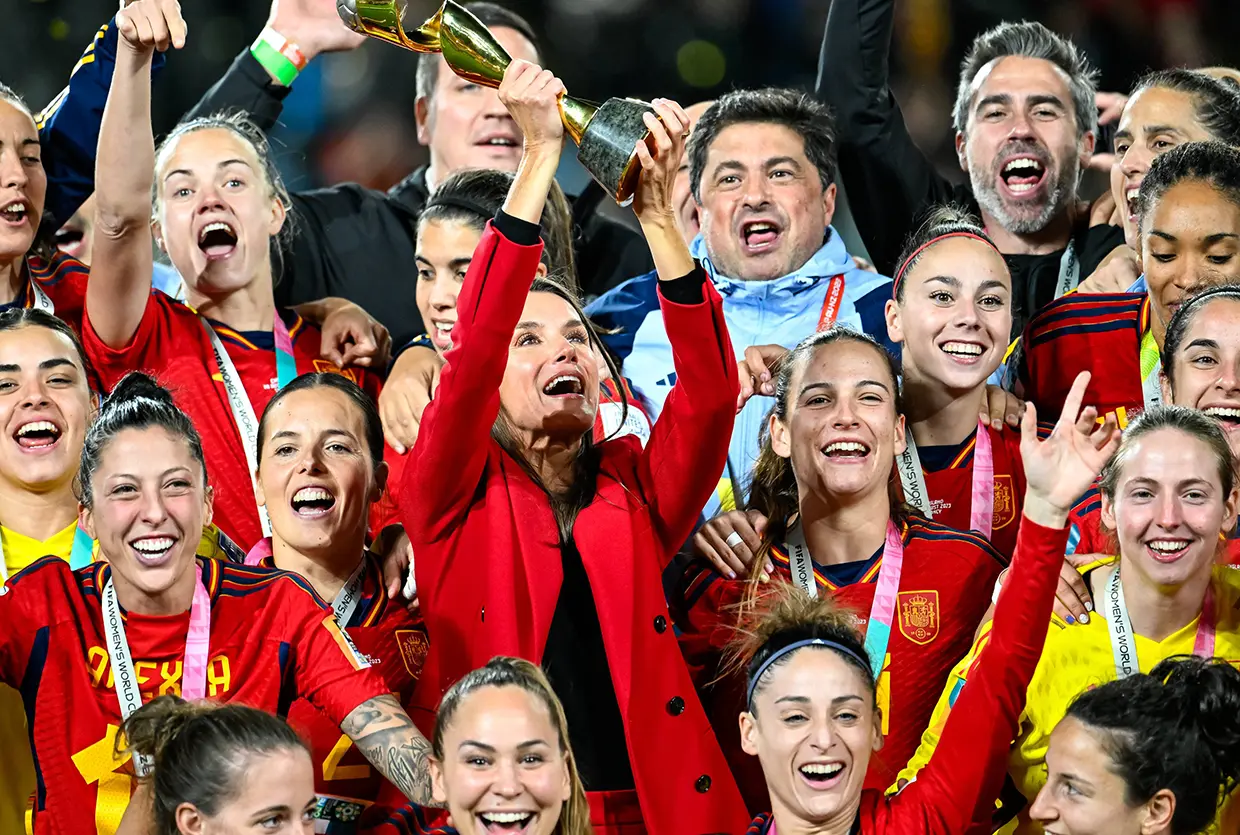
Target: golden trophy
[(605, 134)]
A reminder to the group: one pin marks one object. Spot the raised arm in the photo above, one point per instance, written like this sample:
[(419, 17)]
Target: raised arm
[(121, 270), (888, 179), (963, 776), (689, 442), (454, 436), (257, 82)]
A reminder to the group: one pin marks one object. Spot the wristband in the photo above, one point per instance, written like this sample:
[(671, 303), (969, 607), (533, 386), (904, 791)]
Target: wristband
[(279, 56)]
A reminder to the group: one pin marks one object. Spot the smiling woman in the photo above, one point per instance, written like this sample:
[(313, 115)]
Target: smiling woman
[(1189, 208), (502, 762), (94, 639), (813, 713), (831, 525), (320, 468), (1168, 497), (951, 313)]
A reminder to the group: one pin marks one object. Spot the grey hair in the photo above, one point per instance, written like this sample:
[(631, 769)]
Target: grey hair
[(1029, 39)]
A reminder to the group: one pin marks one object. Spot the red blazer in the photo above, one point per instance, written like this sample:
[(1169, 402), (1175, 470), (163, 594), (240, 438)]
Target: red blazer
[(487, 547)]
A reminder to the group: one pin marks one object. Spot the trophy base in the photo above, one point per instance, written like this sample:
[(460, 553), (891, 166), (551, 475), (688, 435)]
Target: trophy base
[(606, 148)]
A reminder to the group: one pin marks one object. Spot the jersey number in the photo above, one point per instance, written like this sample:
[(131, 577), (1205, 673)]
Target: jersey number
[(98, 764), (333, 770)]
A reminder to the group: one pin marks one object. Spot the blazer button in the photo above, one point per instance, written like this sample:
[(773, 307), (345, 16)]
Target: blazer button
[(675, 705), (702, 784), (660, 624)]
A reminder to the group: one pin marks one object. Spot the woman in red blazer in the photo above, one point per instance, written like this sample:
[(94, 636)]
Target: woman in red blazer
[(534, 541)]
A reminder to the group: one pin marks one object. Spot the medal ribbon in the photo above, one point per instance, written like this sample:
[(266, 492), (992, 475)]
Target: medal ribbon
[(982, 507), (882, 611), (831, 304), (194, 669), (1069, 271), (1123, 640), (242, 410)]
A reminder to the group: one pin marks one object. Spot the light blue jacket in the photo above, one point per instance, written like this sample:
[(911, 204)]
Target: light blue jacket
[(782, 311)]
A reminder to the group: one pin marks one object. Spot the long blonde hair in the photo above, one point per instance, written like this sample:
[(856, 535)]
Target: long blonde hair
[(503, 671)]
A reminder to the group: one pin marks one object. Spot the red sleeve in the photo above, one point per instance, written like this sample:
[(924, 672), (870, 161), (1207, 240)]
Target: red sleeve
[(331, 673), (688, 449), (701, 602), (451, 450), (145, 350), (967, 769), (24, 592)]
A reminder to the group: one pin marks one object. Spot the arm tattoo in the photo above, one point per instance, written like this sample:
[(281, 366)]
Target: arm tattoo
[(387, 736)]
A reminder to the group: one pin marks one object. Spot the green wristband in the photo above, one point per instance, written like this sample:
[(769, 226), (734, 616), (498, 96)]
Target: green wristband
[(282, 69)]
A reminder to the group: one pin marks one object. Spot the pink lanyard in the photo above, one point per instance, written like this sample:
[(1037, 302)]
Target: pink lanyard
[(982, 506)]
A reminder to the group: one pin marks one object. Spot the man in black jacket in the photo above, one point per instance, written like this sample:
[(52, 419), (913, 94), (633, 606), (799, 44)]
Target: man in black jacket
[(357, 243), (1026, 126)]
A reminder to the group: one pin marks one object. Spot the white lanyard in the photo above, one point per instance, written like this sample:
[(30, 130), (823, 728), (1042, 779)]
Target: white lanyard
[(349, 595), (1069, 271), (243, 413), (125, 677), (1123, 640), (800, 563), (41, 300)]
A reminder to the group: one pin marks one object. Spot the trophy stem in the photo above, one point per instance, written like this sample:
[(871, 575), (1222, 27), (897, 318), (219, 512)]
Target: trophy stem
[(576, 115)]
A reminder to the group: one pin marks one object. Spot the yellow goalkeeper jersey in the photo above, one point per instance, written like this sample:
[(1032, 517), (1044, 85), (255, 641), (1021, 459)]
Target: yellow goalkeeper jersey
[(1074, 659)]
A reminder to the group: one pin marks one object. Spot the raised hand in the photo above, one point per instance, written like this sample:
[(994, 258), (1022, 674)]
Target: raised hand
[(1061, 468), (758, 370), (314, 25), (653, 197), (151, 24), (532, 96)]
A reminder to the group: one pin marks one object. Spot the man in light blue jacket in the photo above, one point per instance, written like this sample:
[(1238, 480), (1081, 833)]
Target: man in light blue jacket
[(762, 171)]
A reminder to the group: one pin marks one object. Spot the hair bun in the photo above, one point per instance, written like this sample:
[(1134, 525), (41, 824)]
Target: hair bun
[(136, 385), (1207, 693)]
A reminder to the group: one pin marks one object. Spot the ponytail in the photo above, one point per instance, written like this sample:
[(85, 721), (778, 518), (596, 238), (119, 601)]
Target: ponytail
[(201, 752)]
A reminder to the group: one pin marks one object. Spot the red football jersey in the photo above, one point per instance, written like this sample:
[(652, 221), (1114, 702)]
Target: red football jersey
[(945, 588), (171, 344), (63, 281), (1079, 332), (272, 642), (395, 643), (951, 488)]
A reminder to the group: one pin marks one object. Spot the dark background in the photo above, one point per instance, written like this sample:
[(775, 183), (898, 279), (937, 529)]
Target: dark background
[(350, 117)]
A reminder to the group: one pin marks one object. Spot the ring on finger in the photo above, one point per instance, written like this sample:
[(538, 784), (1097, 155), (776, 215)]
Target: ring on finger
[(733, 540)]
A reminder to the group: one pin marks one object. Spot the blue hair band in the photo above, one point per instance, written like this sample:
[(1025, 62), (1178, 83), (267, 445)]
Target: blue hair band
[(793, 647)]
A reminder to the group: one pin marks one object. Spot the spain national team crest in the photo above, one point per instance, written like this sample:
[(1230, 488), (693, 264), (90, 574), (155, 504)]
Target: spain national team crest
[(919, 615), (332, 368), (413, 647), (1005, 502)]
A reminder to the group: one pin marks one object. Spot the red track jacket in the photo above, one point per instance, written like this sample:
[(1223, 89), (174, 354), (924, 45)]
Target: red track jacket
[(487, 547)]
